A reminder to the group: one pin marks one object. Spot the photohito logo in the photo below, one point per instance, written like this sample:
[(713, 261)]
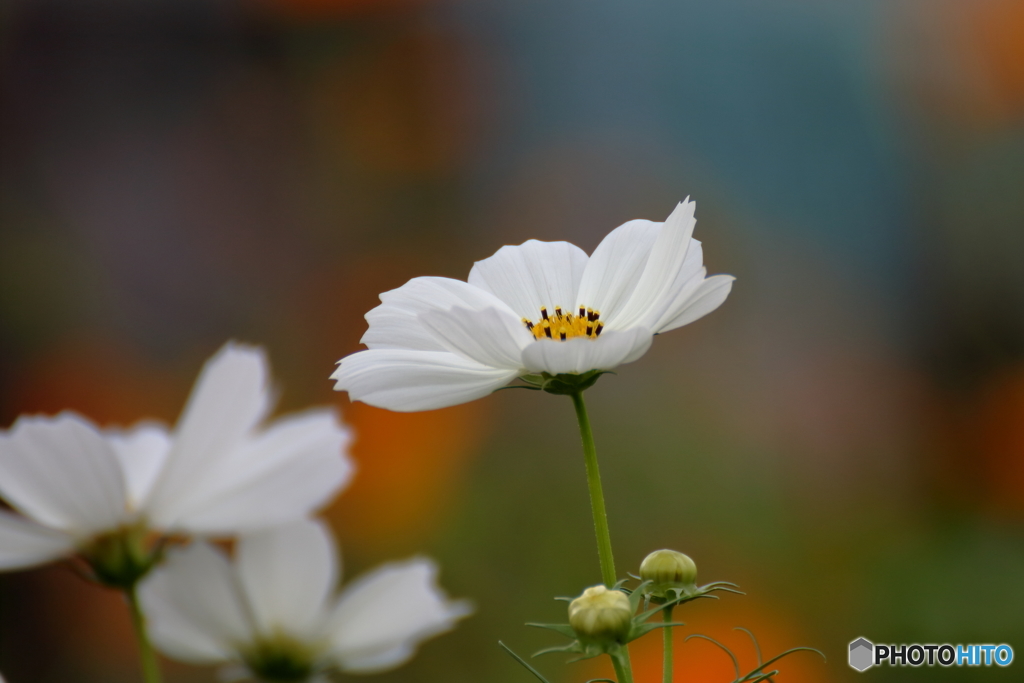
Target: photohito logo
[(864, 654)]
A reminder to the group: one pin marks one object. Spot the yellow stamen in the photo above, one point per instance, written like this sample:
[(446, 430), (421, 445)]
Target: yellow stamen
[(562, 326)]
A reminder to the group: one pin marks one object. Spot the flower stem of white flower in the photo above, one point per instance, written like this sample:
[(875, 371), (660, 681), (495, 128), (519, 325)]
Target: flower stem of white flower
[(604, 539), (623, 670), (150, 666), (666, 635)]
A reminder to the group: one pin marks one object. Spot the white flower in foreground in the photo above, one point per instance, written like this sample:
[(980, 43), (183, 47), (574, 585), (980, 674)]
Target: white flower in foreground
[(540, 307), (106, 493), (274, 612)]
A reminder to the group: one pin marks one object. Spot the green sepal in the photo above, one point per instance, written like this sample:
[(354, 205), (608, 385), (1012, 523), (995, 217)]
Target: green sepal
[(564, 629), (564, 384), (589, 655), (121, 558), (637, 594), (643, 629), (681, 598), (516, 386), (574, 646)]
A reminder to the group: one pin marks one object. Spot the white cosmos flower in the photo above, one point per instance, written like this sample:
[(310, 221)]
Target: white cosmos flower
[(218, 472), (533, 308), (273, 610)]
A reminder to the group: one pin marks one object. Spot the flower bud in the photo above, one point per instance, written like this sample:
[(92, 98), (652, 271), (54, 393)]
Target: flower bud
[(668, 570), (601, 615)]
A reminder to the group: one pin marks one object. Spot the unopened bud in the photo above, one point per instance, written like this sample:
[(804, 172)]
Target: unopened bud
[(668, 570), (601, 615)]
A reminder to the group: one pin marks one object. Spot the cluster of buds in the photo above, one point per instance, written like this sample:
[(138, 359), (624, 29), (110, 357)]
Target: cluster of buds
[(602, 620)]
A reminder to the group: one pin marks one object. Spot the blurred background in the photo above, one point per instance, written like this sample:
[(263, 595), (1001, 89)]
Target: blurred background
[(844, 437)]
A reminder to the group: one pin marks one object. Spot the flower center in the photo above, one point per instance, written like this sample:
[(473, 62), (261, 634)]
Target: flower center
[(562, 326), (120, 558), (280, 659)]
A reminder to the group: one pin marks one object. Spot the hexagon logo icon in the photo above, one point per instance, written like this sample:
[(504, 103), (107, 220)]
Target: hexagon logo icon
[(862, 654)]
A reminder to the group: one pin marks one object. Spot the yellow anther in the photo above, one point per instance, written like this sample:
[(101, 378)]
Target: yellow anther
[(562, 326)]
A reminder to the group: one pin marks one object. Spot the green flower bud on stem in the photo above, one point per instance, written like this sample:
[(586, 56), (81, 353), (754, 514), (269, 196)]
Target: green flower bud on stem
[(668, 570), (601, 615)]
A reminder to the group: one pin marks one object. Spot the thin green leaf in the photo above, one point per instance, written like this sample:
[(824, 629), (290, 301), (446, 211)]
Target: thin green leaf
[(735, 662), (785, 654), (564, 629), (571, 647), (757, 647), (523, 662)]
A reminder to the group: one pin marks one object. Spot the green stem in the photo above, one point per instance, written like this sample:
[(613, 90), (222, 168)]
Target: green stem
[(150, 667), (604, 538), (623, 670), (666, 634)]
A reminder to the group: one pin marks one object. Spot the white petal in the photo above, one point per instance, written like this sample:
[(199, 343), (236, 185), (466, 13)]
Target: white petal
[(654, 289), (406, 381), (394, 324), (708, 295), (383, 616), (229, 399), (615, 267), (141, 451), (23, 543), (532, 275), (61, 472), (194, 607), (686, 282), (288, 573), (283, 474), (579, 355), (490, 337)]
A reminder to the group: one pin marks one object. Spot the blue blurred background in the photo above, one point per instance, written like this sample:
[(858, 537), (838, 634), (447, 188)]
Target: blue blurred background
[(844, 437)]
